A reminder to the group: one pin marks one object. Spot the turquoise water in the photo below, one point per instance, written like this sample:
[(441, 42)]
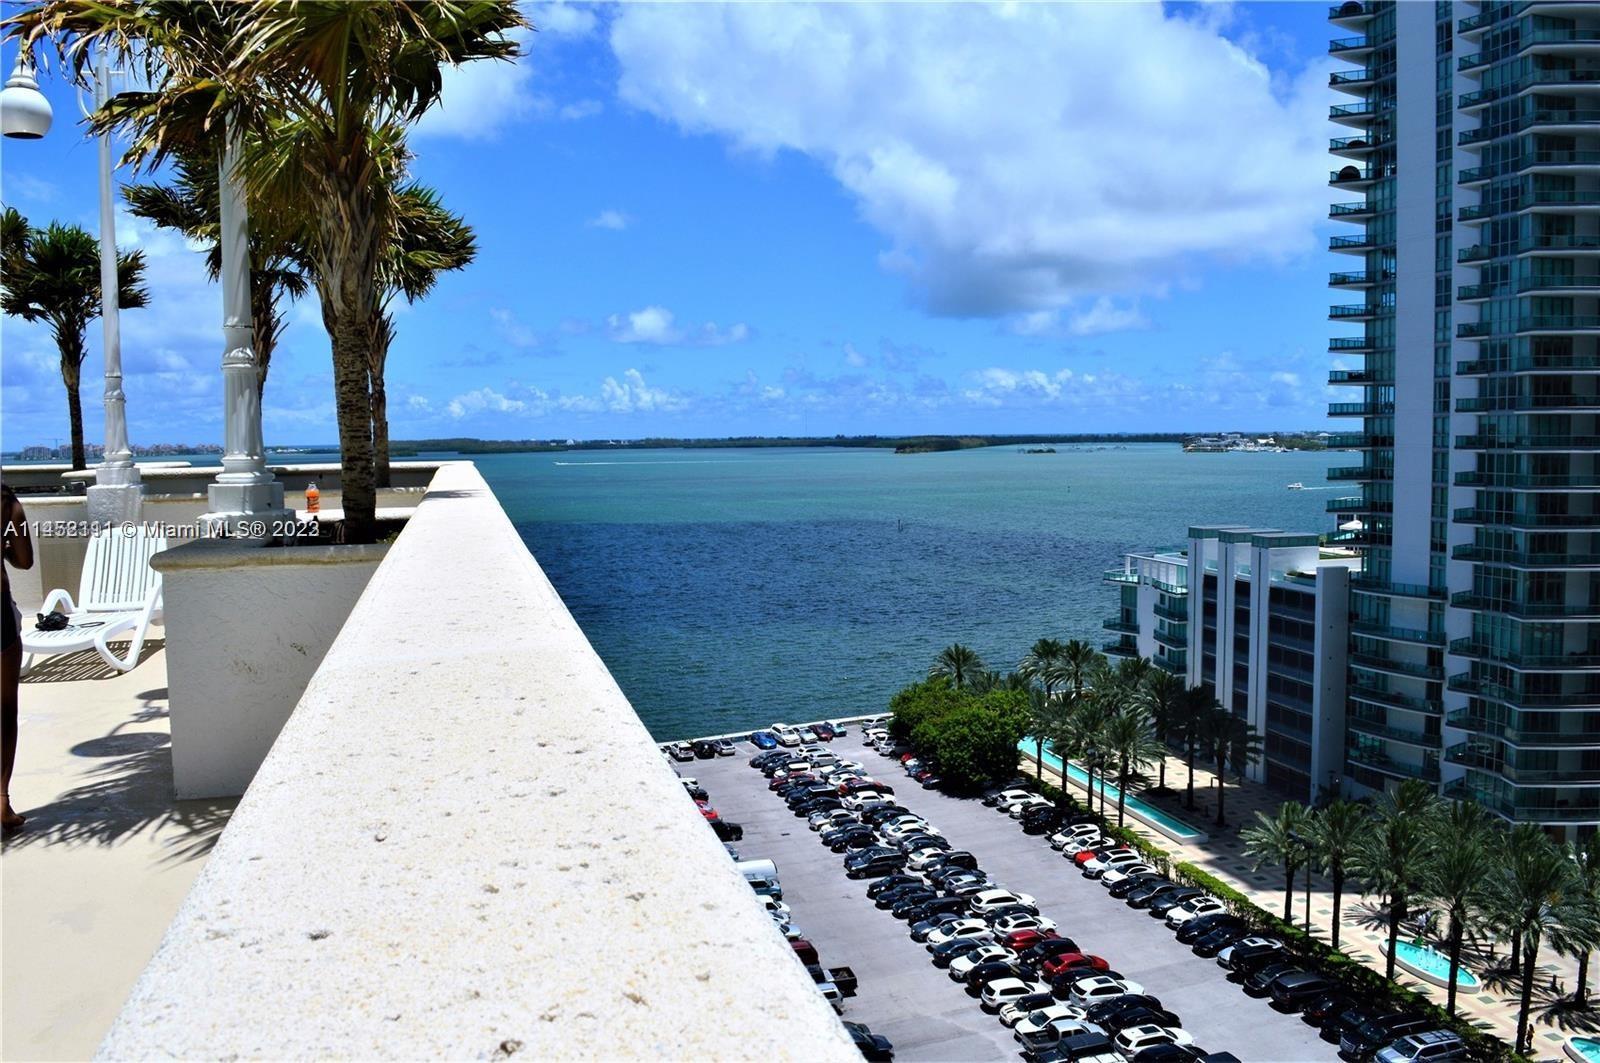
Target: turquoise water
[(1433, 962), (726, 589), (1175, 827), (1587, 1048)]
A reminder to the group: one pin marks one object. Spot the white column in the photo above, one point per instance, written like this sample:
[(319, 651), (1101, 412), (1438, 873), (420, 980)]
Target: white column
[(245, 499), (116, 493)]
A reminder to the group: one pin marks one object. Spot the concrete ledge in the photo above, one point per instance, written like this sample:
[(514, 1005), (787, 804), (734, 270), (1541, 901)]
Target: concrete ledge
[(464, 844)]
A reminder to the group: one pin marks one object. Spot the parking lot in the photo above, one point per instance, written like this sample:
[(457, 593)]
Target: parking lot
[(914, 1004)]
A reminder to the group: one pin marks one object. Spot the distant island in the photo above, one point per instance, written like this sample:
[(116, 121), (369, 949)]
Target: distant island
[(1038, 450), (926, 444)]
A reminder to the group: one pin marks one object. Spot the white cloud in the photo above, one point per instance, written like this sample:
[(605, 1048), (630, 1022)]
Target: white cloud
[(657, 325), (482, 400), (480, 99), (511, 329), (853, 357), (629, 394), (573, 112), (615, 220), (1104, 316), (1017, 157), (562, 20), (633, 395)]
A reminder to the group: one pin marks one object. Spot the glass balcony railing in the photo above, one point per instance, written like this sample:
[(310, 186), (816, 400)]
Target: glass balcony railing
[(1513, 403), (1472, 175), (1468, 720), (1383, 729), (1119, 625), (1350, 78), (1470, 292), (1373, 663), (1120, 649), (1352, 343), (1398, 634), (1468, 329), (1499, 519), (1546, 284), (1536, 323), (1373, 585), (1487, 757), (1482, 688), (1344, 210), (1551, 157), (1345, 504), (1119, 575), (1361, 472), (1352, 111), (1577, 610), (1352, 175), (1471, 61), (1358, 310), (1346, 45), (1564, 242), (1356, 144), (1483, 478), (1379, 696), (1534, 37), (1356, 440), (1525, 812), (1359, 278), (1427, 772), (1171, 613), (1528, 442), (1541, 363), (1490, 555), (1349, 376), (1349, 9), (1360, 409), (1532, 659), (1350, 243), (1175, 639)]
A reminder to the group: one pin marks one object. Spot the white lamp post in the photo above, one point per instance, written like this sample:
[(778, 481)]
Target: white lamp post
[(246, 500), (25, 114)]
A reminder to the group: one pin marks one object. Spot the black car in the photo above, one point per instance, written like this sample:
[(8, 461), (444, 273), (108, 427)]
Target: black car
[(939, 906), (1062, 984), (889, 898), (1248, 955), (728, 832), (768, 756), (1169, 900), (921, 928), (908, 903), (1340, 1021), (1149, 892), (889, 882), (1078, 1046), (705, 749), (994, 915), (1047, 823), (871, 1045), (1210, 944), (954, 859), (1259, 981), (1040, 951), (1169, 1053), (1366, 1039), (1125, 889), (1033, 1002), (874, 862), (943, 954), (1291, 992), (1143, 1016), (876, 815), (1195, 929), (818, 804), (1324, 1007), (834, 834), (912, 842), (1106, 1011), (994, 970)]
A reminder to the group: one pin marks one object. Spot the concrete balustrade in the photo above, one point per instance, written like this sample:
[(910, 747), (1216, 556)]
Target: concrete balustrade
[(465, 844)]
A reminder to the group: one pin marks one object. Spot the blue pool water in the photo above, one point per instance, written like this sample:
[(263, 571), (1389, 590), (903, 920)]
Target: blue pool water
[(1585, 1048), (1169, 824), (1432, 961)]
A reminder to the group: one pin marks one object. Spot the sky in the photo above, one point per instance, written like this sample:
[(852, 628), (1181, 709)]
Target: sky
[(781, 219)]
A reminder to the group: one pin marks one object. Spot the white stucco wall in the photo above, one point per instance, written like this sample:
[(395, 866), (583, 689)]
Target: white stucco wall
[(464, 844)]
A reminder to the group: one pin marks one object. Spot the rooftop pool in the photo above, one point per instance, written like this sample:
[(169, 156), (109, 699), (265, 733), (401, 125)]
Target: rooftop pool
[(1165, 822)]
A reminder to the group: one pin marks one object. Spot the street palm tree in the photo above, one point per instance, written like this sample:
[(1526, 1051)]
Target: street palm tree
[(1077, 738), (1456, 876), (1044, 717), (53, 275), (1390, 858), (1042, 663), (1586, 855), (1195, 709), (1162, 698), (428, 240), (318, 94), (1230, 741), (1280, 839), (1336, 832), (957, 663), (280, 265), (1078, 660), (1543, 891), (1133, 671), (1132, 746)]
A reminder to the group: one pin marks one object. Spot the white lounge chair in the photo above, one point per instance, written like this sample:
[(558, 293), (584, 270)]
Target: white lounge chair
[(119, 592)]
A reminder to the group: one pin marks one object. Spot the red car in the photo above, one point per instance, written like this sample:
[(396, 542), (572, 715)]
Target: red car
[(850, 786), (1099, 854), (1018, 940), (805, 950), (707, 811), (1070, 961), (906, 756), (777, 784)]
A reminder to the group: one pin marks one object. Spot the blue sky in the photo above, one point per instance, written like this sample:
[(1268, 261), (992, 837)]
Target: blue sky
[(780, 219)]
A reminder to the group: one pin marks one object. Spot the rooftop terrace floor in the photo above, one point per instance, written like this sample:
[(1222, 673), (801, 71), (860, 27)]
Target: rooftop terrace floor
[(94, 878)]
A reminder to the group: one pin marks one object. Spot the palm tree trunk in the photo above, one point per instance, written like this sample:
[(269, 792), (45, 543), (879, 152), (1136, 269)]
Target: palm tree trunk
[(1516, 952), (1122, 793), (1527, 997), (264, 337), (1338, 897), (1222, 789), (1038, 761), (75, 415), (1455, 964), (1580, 992), (1397, 912), (1189, 742), (380, 433), (1288, 890), (354, 407)]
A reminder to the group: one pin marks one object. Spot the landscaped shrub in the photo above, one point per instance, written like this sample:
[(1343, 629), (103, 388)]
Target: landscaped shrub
[(970, 738)]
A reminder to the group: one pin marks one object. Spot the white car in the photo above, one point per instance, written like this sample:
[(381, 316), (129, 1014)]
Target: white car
[(920, 859), (1100, 865), (1036, 1020), (1136, 1039), (1193, 910), (1007, 798), (1023, 922), (833, 817), (961, 928), (1114, 875), (863, 799), (807, 735), (1012, 1014), (1102, 987), (962, 965), (1017, 808), (1002, 991), (790, 931), (777, 909), (1077, 830), (989, 900), (1083, 843), (787, 739)]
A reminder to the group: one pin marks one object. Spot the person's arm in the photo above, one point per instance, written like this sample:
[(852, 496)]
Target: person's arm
[(18, 544)]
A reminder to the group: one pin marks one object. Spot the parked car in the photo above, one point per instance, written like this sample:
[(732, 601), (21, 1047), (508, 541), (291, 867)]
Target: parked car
[(725, 747), (956, 858), (1258, 983), (1095, 868), (824, 731), (1083, 1048), (1432, 1046), (910, 903), (1195, 929), (1068, 961), (1072, 831), (873, 862), (872, 1046), (918, 891), (1365, 1040), (1111, 1012), (1102, 987), (681, 751), (1022, 1007), (980, 976), (1146, 893), (805, 951), (1024, 939), (941, 906), (1193, 908), (704, 748), (1246, 955), (1001, 991), (921, 928), (763, 739), (1291, 992), (1022, 921), (963, 928), (944, 955), (1017, 808), (1124, 886), (1135, 1039), (829, 818), (728, 832), (1112, 876), (1163, 904), (1220, 938), (962, 966), (989, 900), (1047, 1015), (1341, 1021), (1324, 1007), (889, 882), (1102, 854), (1141, 1016), (1043, 950)]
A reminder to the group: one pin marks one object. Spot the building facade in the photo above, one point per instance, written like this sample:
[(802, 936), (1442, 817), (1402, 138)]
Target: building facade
[(1473, 167), (1259, 618)]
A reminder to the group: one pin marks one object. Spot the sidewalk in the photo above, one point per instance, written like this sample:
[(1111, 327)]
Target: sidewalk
[(1363, 927)]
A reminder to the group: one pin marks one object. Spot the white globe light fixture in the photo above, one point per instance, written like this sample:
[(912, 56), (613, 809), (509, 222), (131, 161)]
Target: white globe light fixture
[(24, 112)]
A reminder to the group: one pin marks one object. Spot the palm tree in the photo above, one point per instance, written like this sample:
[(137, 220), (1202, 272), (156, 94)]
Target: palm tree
[(1390, 858), (1077, 737), (1456, 876), (318, 93), (956, 663), (279, 263), (1132, 744), (1042, 663), (1543, 891), (53, 275), (1230, 740), (1279, 839), (1078, 660), (1162, 698), (428, 240), (1044, 716), (1336, 832), (1133, 671), (1195, 709), (1586, 855)]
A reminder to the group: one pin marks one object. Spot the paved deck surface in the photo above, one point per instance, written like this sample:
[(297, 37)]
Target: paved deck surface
[(914, 1004)]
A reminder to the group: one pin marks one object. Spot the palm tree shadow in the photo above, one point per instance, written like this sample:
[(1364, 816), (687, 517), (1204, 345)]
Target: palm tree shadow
[(127, 792)]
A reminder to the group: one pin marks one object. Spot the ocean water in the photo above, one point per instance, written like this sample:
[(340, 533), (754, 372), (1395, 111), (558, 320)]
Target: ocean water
[(726, 589)]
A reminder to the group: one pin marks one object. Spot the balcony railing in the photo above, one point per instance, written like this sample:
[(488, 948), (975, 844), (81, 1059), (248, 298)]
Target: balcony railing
[(1361, 472), (1385, 664), (1464, 683), (1373, 585), (1345, 504), (1379, 696), (1350, 78), (1359, 278), (1390, 766), (1543, 363), (1470, 647), (1578, 610), (1357, 310), (1547, 284), (1350, 243), (1584, 812), (1119, 625), (1120, 575), (1467, 720), (1477, 755), (1348, 376), (1175, 615), (1120, 649), (1345, 45), (1360, 409), (1513, 403), (1380, 729), (1498, 518), (1175, 639), (1528, 442), (1352, 343), (1489, 555), (1398, 634), (1480, 478)]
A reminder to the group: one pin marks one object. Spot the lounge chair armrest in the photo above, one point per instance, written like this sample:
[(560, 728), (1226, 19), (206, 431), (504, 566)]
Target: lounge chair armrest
[(55, 598)]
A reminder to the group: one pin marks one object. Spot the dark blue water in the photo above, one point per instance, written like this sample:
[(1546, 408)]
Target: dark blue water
[(728, 589)]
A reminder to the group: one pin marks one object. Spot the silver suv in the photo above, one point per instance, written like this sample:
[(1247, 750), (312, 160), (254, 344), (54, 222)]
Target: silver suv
[(1434, 1046)]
